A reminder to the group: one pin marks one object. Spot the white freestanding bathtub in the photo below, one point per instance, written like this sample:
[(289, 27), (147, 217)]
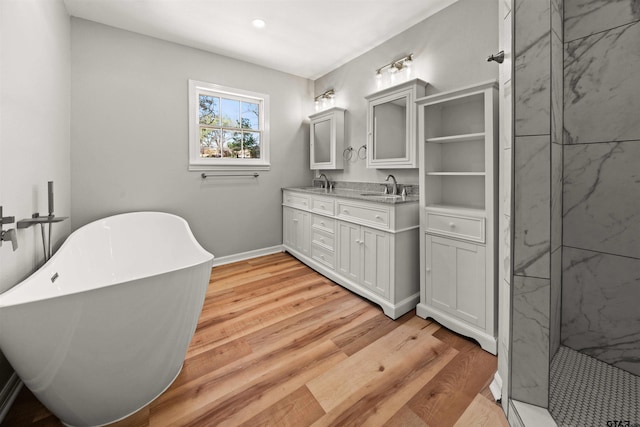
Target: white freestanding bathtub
[(102, 329)]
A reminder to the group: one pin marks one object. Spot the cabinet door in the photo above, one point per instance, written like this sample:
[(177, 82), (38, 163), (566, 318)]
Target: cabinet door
[(455, 278), (288, 229), (376, 259), (301, 231), (327, 139), (349, 251), (296, 230), (391, 126)]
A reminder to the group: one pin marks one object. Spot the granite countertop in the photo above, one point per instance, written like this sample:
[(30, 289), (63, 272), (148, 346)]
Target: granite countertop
[(358, 194)]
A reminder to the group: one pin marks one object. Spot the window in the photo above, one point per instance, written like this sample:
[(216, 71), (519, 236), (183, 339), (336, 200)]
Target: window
[(228, 128)]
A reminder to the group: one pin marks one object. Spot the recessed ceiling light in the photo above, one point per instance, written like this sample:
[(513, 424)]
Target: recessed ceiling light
[(258, 23)]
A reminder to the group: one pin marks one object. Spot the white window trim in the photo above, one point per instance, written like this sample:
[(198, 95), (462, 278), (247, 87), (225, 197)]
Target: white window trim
[(197, 163)]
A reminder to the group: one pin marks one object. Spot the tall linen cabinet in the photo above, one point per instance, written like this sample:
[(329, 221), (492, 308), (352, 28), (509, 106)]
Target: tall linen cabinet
[(458, 160)]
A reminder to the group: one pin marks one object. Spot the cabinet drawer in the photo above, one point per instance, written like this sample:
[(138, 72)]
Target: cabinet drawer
[(296, 200), (323, 255), (322, 238), (323, 205), (469, 228), (378, 216), (323, 223)]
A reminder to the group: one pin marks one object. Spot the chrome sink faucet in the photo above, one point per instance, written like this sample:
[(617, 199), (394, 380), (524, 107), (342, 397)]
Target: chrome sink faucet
[(394, 188), (326, 181)]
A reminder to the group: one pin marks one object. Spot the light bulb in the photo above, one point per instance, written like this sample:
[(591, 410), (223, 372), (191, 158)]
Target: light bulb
[(258, 23)]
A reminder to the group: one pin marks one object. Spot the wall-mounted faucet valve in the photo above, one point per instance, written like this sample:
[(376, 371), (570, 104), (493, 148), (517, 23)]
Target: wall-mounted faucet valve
[(8, 235)]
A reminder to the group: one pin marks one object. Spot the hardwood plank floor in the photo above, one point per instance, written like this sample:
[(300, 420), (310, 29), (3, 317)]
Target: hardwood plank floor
[(278, 344)]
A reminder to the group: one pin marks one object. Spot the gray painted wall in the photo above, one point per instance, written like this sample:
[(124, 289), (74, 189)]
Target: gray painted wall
[(450, 50), (129, 138), (34, 128)]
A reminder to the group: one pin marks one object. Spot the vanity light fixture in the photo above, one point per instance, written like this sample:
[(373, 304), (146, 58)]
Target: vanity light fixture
[(400, 64), (258, 23), (324, 100)]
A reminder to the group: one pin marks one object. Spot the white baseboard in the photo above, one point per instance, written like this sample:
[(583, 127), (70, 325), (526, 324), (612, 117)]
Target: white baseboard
[(8, 394), (228, 259), (496, 387)]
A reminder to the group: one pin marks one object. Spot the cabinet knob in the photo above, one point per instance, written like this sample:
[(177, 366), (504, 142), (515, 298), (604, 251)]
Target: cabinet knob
[(428, 269), (322, 206), (321, 256), (345, 211), (452, 225), (295, 220), (322, 223), (322, 239), (378, 217)]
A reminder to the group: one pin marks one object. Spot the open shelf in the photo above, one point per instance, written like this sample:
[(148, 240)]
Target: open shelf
[(465, 156), (467, 191), (457, 138), (455, 118), (453, 209), (456, 173)]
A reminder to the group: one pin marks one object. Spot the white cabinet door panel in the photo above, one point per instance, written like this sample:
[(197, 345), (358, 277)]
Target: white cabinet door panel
[(376, 273), (455, 278), (349, 250)]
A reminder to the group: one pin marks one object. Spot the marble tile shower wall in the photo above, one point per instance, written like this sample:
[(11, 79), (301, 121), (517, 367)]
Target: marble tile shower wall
[(537, 216), (601, 254)]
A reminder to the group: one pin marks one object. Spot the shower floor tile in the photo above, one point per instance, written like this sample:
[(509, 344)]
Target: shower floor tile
[(587, 392)]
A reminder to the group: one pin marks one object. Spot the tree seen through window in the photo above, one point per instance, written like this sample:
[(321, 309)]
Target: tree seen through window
[(229, 128)]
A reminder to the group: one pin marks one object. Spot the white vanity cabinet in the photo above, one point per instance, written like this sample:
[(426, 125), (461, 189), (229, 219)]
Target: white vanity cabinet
[(458, 211), (296, 231), (391, 126), (369, 248), (327, 139), (364, 256)]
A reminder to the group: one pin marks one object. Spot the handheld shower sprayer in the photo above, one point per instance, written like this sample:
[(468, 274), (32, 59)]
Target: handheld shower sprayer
[(50, 188)]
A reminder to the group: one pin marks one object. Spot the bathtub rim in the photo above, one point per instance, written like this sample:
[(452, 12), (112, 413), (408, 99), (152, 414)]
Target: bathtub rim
[(7, 297)]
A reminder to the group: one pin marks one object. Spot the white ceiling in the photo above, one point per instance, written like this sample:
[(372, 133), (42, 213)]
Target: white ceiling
[(307, 38)]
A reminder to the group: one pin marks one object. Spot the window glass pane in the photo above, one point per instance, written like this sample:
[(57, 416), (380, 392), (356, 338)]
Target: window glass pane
[(251, 145), (250, 115), (230, 113), (232, 144), (209, 111), (210, 142)]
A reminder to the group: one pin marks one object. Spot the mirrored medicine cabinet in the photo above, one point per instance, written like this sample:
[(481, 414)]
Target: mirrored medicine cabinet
[(391, 126), (327, 139)]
